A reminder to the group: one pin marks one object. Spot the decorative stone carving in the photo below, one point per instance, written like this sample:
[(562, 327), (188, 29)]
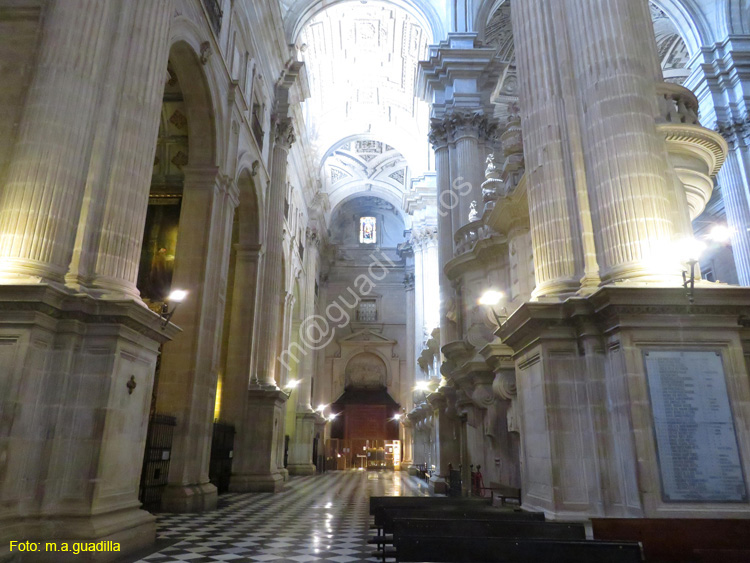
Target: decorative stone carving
[(206, 52), (473, 213), (366, 371), (438, 135), (736, 133), (504, 385), (492, 170), (284, 133)]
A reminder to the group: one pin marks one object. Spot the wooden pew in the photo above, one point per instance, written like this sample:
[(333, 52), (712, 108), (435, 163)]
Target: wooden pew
[(437, 549), (448, 514), (508, 528)]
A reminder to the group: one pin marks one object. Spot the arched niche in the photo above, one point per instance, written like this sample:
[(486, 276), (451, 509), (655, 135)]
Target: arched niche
[(366, 371)]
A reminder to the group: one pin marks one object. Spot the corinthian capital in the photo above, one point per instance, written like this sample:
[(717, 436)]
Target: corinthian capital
[(284, 133), (736, 133), (462, 123), (438, 134)]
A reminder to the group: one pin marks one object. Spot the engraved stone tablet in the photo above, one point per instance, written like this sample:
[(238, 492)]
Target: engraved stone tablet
[(695, 439)]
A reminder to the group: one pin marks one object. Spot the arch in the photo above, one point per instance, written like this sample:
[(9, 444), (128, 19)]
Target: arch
[(249, 210), (206, 112), (372, 371), (355, 189), (689, 22), (302, 11)]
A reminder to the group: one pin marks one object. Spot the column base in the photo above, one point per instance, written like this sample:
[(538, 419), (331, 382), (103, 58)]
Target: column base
[(123, 532), (256, 451), (270, 483), (189, 498), (301, 469)]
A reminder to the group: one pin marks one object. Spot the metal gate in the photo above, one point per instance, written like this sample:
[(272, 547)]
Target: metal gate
[(156, 460), (222, 452)]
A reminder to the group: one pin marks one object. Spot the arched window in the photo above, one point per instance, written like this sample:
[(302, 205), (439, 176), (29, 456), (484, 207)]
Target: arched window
[(367, 230)]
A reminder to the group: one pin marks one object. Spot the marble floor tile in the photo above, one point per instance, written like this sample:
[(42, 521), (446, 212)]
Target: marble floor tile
[(316, 518)]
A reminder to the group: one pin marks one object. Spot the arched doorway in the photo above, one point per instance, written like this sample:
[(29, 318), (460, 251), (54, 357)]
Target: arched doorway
[(364, 426)]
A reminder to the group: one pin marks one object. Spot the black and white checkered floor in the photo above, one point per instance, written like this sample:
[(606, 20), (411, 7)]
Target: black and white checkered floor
[(318, 518)]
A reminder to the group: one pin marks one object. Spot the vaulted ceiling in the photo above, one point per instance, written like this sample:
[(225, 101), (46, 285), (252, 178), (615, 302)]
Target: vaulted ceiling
[(361, 61)]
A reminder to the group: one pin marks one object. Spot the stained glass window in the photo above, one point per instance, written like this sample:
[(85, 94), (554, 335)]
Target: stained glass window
[(367, 230)]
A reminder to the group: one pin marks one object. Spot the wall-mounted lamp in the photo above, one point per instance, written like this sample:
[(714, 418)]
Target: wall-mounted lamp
[(689, 252), (332, 416), (290, 386), (491, 299), (177, 296)]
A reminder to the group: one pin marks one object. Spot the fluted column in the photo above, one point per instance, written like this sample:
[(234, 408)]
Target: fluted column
[(41, 200), (258, 466), (626, 168), (108, 249), (312, 249), (734, 179), (439, 141), (553, 209), (189, 369), (301, 444), (272, 293), (419, 301), (466, 130)]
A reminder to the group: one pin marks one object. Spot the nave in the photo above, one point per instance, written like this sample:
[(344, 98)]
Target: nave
[(316, 518)]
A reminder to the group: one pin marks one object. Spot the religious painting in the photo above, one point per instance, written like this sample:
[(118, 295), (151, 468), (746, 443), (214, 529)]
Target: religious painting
[(367, 230), (158, 252)]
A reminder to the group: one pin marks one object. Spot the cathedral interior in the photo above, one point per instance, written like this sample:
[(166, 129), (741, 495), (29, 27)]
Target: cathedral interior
[(269, 268)]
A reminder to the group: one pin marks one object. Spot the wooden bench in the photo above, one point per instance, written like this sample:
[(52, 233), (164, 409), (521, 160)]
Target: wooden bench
[(385, 518), (487, 528), (437, 549)]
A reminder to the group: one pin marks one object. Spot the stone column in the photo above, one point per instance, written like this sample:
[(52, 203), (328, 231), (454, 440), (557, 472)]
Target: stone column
[(626, 169), (301, 445), (407, 441), (553, 208), (467, 129), (419, 296), (734, 177), (41, 201), (108, 245), (439, 141), (189, 369), (447, 436), (240, 338), (257, 466)]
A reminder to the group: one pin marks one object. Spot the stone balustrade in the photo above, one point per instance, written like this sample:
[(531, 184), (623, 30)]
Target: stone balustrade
[(467, 236), (677, 104)]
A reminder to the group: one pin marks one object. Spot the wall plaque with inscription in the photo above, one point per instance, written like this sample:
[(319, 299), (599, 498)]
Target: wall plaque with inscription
[(699, 459)]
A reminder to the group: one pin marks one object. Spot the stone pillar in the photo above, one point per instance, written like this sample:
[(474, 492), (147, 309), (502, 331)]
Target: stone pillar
[(240, 338), (257, 467), (76, 376), (301, 444), (419, 295), (734, 177), (439, 141), (41, 201), (626, 169), (447, 434), (189, 369), (108, 245), (467, 129), (553, 209), (407, 441)]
